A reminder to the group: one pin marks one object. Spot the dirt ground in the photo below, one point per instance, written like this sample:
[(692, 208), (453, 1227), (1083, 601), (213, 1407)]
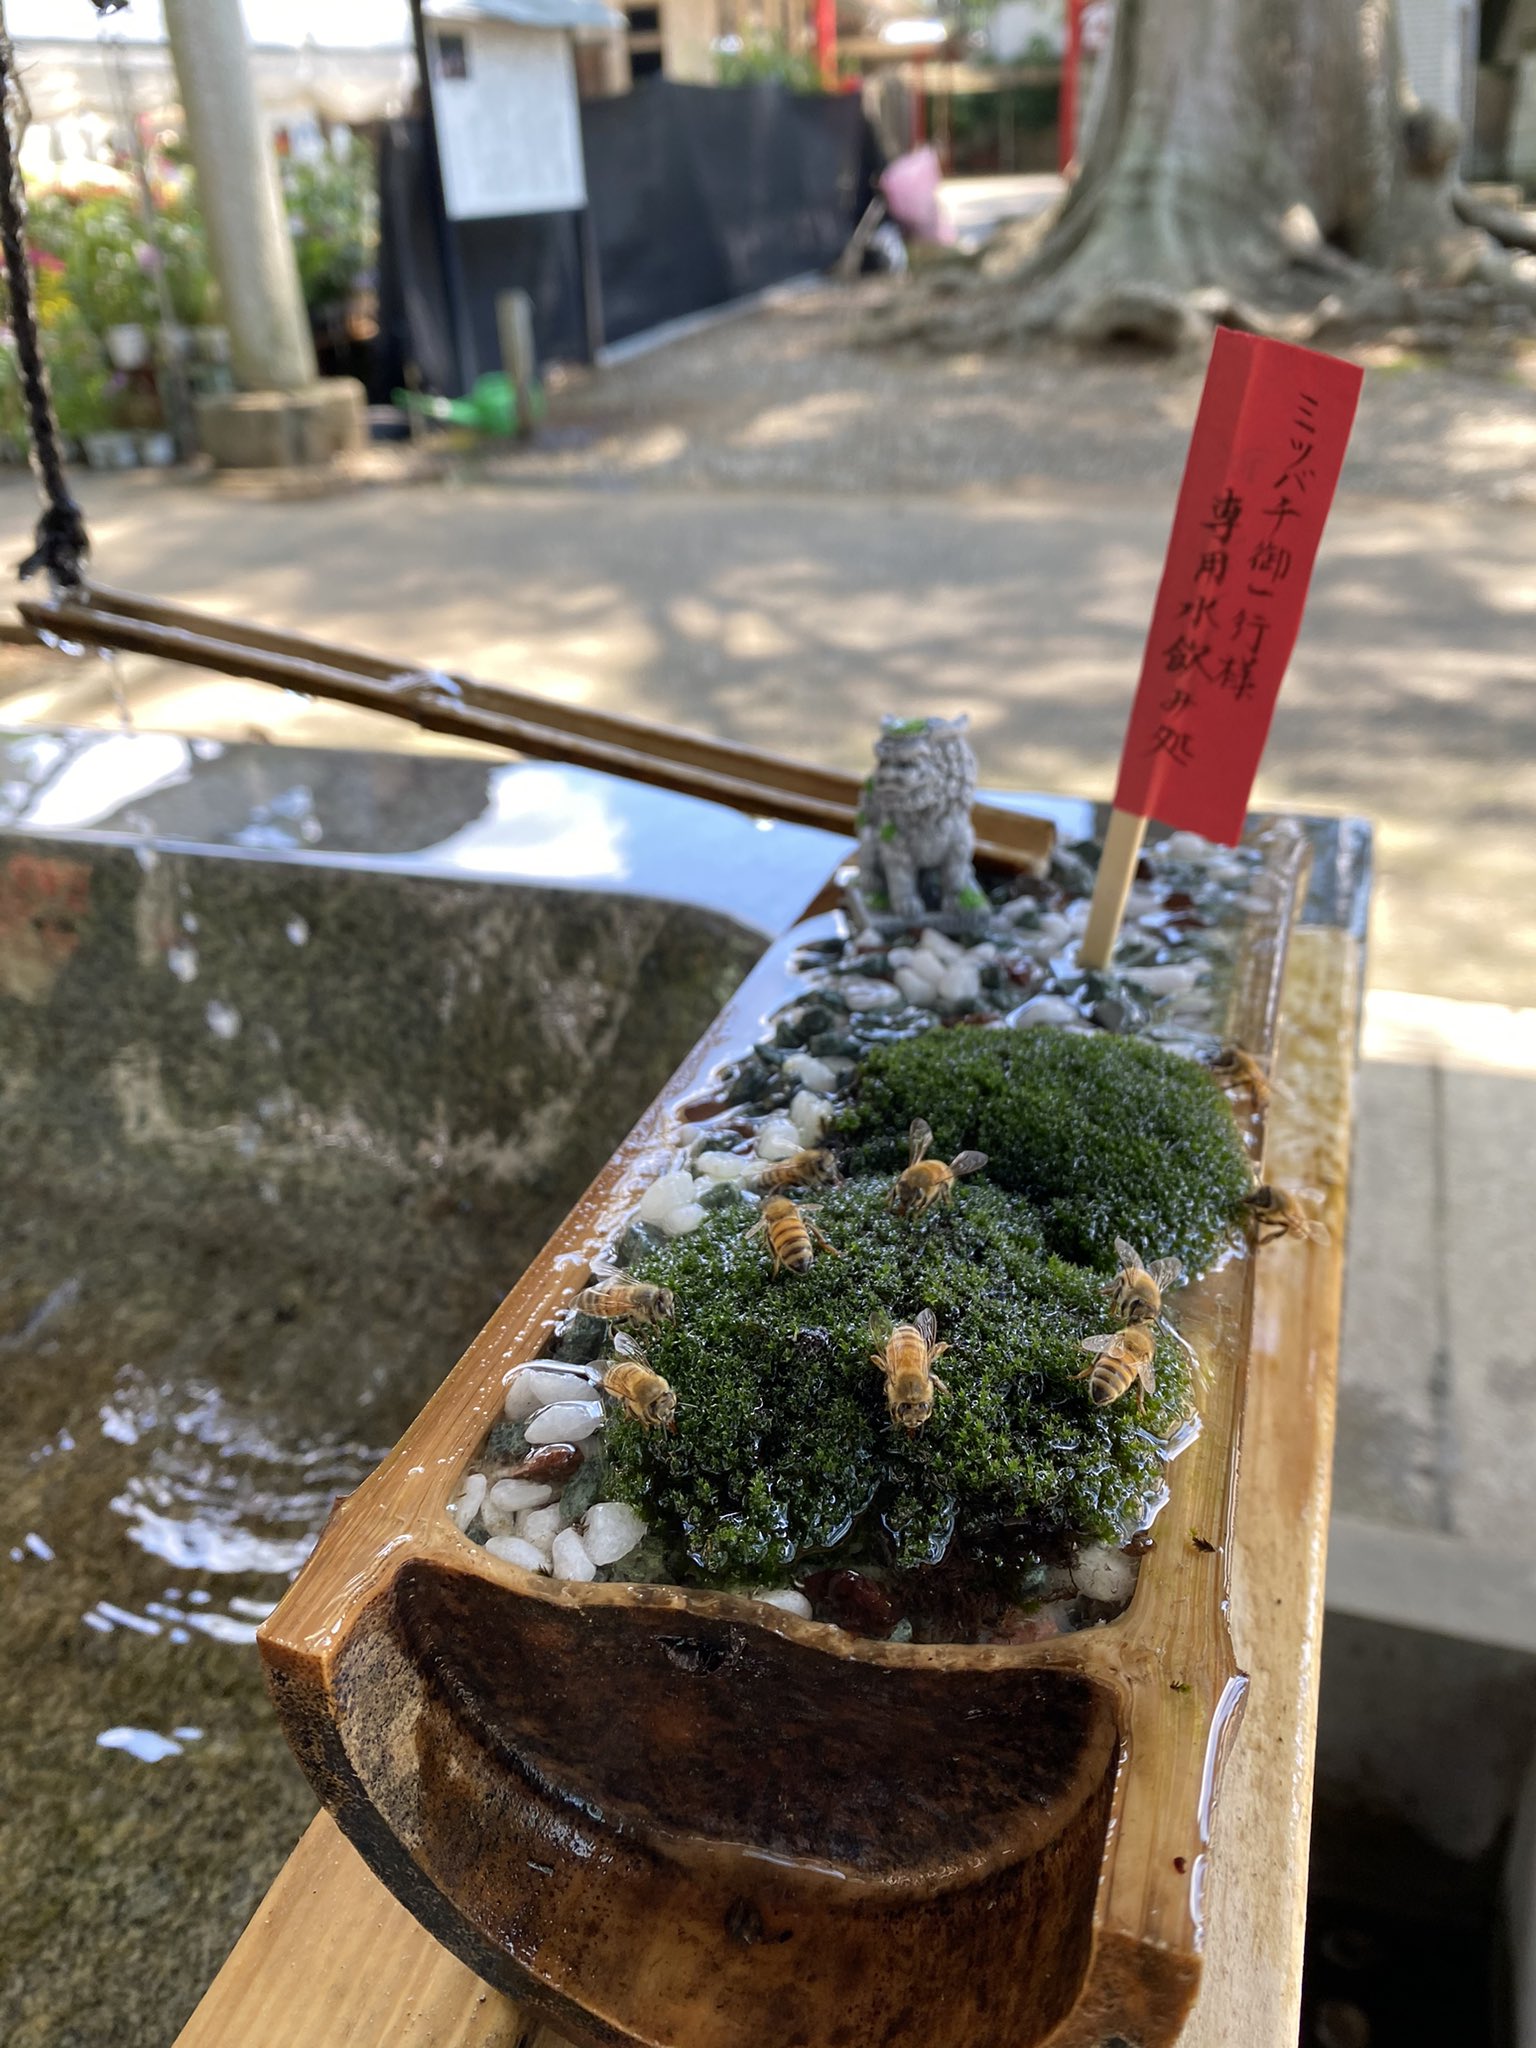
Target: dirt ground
[(799, 397), (769, 531)]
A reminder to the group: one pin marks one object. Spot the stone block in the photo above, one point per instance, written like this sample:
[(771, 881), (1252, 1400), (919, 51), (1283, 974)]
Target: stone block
[(283, 429)]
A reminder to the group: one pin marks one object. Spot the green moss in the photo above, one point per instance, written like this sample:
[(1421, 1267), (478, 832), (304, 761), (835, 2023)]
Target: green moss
[(1107, 1136), (782, 1440)]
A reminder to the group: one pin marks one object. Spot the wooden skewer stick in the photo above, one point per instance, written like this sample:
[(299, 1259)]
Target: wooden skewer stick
[(1117, 870)]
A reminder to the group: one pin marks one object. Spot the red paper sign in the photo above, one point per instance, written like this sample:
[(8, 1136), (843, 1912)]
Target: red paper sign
[(1268, 446)]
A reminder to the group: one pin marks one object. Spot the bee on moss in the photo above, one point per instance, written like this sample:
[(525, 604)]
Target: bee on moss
[(1135, 1294), (644, 1395), (1277, 1212), (925, 1181), (789, 1232), (1236, 1069), (813, 1169), (617, 1300), (907, 1362), (1120, 1359)]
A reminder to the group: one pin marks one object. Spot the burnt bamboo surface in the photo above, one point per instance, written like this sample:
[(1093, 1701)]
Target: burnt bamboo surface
[(332, 1957)]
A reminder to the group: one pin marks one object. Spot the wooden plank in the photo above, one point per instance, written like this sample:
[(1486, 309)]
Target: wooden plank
[(1251, 1984), (332, 1959)]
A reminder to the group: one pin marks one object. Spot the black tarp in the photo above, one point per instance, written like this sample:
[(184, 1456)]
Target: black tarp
[(697, 196)]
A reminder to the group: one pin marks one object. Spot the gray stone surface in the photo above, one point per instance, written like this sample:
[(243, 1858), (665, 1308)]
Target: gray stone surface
[(283, 429), (1394, 1431), (1490, 1216)]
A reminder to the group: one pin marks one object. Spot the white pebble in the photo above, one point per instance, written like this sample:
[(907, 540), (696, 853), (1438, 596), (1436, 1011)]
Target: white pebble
[(535, 1386), (941, 946), (513, 1550), (496, 1523), (725, 1165), (785, 1597), (1104, 1574), (869, 995), (610, 1530), (678, 1222), (962, 984), (1018, 911), (466, 1502), (1054, 929), (1165, 981), (917, 988), (811, 1073), (1186, 846), (1045, 1010), (664, 1195), (540, 1526), (566, 1422), (512, 1495), (983, 955), (902, 956), (810, 1115), (778, 1139), (569, 1560)]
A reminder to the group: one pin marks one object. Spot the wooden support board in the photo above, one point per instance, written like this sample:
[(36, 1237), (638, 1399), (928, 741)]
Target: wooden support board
[(331, 1960)]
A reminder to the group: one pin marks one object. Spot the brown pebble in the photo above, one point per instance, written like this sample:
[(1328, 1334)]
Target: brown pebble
[(551, 1464), (1139, 1544), (1017, 1626), (853, 1602)]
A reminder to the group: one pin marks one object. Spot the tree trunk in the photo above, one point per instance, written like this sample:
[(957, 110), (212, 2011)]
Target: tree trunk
[(1257, 162)]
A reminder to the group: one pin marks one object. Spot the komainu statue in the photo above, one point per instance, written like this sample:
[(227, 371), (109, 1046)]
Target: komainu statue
[(915, 837)]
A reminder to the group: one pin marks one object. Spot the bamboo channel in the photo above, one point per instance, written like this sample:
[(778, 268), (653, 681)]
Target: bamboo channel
[(721, 771)]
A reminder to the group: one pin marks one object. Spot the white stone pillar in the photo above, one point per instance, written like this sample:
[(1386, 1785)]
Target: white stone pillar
[(240, 199)]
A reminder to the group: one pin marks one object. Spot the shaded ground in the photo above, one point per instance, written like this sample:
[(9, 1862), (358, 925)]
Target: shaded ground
[(793, 400)]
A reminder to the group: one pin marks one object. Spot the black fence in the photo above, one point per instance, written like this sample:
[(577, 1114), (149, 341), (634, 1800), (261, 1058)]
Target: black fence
[(697, 195)]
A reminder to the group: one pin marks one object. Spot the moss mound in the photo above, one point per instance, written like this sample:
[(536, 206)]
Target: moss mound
[(782, 1440), (1108, 1137)]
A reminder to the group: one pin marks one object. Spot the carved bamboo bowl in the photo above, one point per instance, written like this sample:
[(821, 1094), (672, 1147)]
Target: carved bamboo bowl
[(689, 1820)]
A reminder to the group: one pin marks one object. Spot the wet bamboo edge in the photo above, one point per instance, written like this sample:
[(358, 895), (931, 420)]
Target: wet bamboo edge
[(331, 1958)]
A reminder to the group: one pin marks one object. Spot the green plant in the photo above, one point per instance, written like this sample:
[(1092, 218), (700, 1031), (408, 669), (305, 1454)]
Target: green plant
[(183, 247), (79, 377), (107, 264), (1109, 1137), (765, 59), (782, 1439), (333, 215)]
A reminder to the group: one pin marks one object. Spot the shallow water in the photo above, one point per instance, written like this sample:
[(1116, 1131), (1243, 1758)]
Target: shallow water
[(273, 1144)]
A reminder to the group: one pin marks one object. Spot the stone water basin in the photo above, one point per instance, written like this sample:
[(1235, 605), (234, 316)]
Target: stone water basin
[(302, 1055)]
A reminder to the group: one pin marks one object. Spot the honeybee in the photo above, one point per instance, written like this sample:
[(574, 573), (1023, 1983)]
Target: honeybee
[(1135, 1294), (1235, 1068), (643, 1394), (805, 1170), (789, 1233), (925, 1181), (617, 1300), (1277, 1212), (1119, 1359), (907, 1362)]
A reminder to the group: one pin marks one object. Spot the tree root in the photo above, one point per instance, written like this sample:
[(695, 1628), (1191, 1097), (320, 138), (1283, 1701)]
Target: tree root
[(1513, 230)]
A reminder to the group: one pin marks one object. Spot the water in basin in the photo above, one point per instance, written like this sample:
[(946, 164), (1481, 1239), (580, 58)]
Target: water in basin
[(274, 1141)]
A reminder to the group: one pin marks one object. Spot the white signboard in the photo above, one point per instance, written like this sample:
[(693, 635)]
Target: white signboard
[(508, 120)]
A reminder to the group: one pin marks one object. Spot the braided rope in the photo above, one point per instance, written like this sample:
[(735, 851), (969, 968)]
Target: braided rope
[(62, 542)]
